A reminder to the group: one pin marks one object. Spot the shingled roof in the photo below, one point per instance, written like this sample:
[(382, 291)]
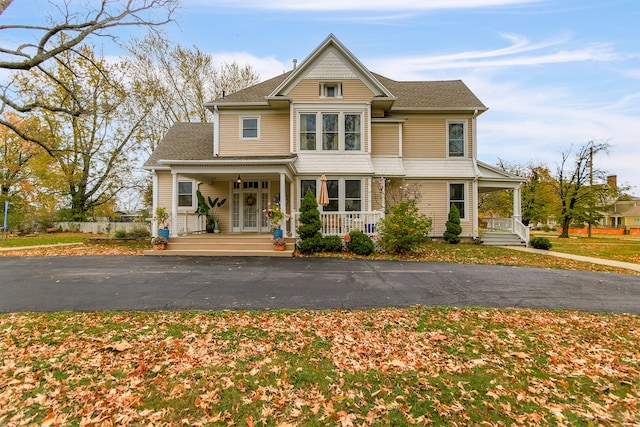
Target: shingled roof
[(184, 141), (411, 95)]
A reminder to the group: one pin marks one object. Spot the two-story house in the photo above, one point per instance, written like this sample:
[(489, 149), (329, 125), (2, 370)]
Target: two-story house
[(329, 121)]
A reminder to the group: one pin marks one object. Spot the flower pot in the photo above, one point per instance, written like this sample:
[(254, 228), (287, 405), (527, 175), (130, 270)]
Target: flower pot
[(164, 232), (277, 233), (159, 247), (280, 248)]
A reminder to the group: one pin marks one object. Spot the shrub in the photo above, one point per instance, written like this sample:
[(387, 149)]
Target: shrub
[(404, 229), (540, 243), (142, 231), (332, 244), (120, 233), (311, 244), (309, 218), (360, 243), (453, 228)]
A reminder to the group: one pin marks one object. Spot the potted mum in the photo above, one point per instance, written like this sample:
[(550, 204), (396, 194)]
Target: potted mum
[(279, 243), (159, 243)]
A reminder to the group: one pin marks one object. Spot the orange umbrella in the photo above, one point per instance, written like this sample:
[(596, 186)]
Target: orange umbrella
[(323, 196)]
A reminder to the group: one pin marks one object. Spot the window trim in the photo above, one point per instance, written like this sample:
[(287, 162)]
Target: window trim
[(242, 128), (464, 139), (463, 214), (319, 131), (342, 193), (193, 195), (335, 85)]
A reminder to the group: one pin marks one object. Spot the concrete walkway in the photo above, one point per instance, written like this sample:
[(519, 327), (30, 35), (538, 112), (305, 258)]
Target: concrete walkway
[(593, 260)]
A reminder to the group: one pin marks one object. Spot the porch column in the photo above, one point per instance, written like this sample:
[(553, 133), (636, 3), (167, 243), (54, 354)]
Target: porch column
[(474, 207), (174, 205), (283, 202), (517, 204), (293, 225), (154, 203)]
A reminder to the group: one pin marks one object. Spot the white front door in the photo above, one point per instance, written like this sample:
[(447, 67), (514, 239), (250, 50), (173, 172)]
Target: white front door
[(249, 200), (250, 209)]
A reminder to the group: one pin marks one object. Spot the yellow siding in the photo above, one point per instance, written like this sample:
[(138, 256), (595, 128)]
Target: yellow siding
[(424, 137), (433, 202), (274, 135), (384, 139), (353, 90)]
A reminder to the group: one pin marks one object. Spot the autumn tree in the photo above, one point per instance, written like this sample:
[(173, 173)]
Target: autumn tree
[(177, 81), (581, 199), (91, 124)]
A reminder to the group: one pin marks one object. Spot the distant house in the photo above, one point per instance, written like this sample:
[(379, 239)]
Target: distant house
[(374, 139), (624, 213)]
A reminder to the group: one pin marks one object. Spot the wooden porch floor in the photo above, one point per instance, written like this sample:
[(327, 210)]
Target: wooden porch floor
[(225, 244)]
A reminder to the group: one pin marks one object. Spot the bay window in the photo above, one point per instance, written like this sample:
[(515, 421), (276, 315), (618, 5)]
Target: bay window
[(338, 131)]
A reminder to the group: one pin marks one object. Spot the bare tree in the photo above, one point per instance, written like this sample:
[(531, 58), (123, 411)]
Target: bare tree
[(69, 27)]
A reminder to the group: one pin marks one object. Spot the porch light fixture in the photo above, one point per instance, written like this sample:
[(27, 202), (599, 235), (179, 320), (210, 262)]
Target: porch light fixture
[(239, 180)]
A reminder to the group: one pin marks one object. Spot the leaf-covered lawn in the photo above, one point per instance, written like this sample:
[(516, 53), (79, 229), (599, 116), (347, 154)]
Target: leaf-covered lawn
[(425, 366), (618, 249)]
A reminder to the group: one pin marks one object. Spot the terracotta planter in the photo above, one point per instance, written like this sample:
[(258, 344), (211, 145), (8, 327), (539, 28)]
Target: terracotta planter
[(280, 248), (159, 247)]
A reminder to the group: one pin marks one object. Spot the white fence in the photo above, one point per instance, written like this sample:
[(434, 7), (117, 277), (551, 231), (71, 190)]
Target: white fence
[(102, 227)]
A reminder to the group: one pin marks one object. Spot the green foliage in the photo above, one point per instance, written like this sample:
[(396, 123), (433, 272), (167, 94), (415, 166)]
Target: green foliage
[(332, 244), (360, 243), (309, 218), (404, 229), (120, 233), (452, 233), (311, 245), (540, 243)]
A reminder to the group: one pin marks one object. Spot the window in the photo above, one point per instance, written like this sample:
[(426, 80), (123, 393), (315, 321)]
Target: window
[(249, 127), (331, 90), (307, 131), (457, 198), (455, 137), (353, 195), (352, 131), (330, 132), (333, 190), (344, 194), (185, 194), (337, 131)]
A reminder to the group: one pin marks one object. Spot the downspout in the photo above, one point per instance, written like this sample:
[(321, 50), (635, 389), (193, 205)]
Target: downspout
[(216, 131), (474, 186)]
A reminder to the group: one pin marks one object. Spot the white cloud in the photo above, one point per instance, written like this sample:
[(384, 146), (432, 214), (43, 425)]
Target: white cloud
[(371, 5), (266, 67)]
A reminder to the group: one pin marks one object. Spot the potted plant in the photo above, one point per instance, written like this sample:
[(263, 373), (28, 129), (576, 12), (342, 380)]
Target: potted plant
[(279, 243), (159, 243), (209, 210), (275, 214), (162, 218)]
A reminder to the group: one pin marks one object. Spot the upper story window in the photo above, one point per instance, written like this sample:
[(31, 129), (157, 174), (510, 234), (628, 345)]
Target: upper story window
[(331, 90), (456, 139), (336, 131), (185, 194), (249, 127)]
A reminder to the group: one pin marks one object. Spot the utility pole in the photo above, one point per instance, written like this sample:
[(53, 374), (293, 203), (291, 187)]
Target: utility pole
[(590, 186)]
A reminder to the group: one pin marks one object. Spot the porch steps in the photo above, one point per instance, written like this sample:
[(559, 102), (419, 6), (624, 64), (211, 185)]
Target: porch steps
[(226, 244), (501, 238)]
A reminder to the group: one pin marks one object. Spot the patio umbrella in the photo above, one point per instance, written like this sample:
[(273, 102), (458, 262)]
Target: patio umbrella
[(323, 196)]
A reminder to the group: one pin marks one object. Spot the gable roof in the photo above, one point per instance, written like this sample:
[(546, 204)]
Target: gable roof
[(452, 95), (184, 141)]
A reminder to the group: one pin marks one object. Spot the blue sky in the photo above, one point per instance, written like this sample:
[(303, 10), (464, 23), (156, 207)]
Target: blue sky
[(554, 73)]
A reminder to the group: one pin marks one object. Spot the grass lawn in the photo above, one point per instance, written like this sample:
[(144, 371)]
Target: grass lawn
[(442, 366), (42, 239), (618, 248)]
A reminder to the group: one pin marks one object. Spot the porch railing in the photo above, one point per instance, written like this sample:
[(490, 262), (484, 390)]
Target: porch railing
[(513, 225), (341, 223)]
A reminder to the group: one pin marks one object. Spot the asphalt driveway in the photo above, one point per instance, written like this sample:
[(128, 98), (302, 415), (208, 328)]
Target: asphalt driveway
[(208, 283)]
